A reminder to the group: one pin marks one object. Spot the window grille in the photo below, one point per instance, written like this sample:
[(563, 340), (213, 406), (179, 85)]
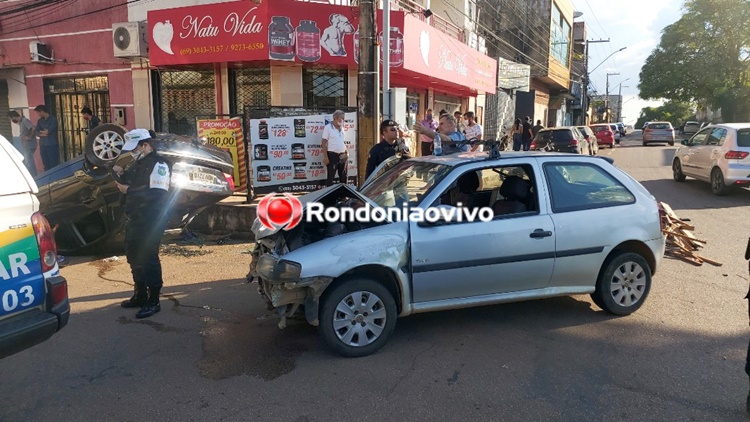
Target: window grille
[(325, 87), (249, 87), (183, 96)]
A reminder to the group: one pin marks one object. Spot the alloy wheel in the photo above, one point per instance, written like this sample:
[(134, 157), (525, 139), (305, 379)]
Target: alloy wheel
[(108, 145)]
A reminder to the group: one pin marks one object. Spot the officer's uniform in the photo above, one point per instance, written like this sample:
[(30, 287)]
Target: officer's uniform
[(146, 205), (379, 153)]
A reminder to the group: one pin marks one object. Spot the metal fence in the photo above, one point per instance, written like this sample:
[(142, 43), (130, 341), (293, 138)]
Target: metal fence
[(325, 87), (249, 87)]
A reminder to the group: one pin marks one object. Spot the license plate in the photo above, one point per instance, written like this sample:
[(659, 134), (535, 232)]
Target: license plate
[(197, 176)]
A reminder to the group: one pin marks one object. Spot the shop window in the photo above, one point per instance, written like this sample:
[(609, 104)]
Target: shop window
[(249, 87), (325, 87), (181, 97)]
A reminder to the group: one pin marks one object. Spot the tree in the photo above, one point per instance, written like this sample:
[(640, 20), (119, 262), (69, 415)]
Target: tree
[(675, 112), (704, 56)]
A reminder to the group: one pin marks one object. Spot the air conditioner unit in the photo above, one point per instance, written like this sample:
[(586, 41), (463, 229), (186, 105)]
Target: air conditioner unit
[(40, 52), (129, 39)]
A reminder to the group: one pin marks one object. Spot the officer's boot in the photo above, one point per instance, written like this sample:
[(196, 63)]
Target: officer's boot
[(152, 304), (140, 294)]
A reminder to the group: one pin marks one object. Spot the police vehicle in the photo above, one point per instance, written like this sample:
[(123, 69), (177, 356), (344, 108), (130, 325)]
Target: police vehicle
[(33, 295)]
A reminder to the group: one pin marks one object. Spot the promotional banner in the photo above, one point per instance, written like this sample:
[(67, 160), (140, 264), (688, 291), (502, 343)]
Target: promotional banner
[(287, 152), (226, 133)]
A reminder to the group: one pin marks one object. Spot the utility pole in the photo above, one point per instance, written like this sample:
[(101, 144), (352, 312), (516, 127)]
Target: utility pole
[(585, 97), (606, 97), (619, 102), (368, 83)]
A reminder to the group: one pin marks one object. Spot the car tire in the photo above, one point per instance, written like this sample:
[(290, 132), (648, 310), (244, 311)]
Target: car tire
[(671, 144), (717, 183), (645, 144), (677, 173), (340, 313), (624, 283), (104, 144)]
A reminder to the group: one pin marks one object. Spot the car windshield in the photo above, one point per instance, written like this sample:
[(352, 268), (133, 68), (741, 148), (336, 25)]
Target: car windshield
[(555, 135), (407, 182), (658, 126), (743, 138)]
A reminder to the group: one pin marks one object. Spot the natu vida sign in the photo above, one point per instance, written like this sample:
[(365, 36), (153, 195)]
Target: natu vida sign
[(212, 33)]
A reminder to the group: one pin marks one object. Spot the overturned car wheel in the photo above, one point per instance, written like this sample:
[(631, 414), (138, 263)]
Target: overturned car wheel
[(357, 317), (104, 144)]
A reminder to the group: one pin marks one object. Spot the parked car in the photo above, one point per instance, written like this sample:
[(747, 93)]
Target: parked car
[(621, 128), (81, 201), (690, 128), (616, 132), (717, 154), (658, 132), (593, 145), (560, 139), (645, 125), (563, 225), (604, 134), (34, 295)]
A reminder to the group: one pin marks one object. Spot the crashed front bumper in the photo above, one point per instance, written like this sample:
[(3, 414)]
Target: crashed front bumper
[(279, 282)]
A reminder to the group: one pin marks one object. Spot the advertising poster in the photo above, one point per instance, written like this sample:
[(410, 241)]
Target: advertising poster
[(286, 153), (226, 133)]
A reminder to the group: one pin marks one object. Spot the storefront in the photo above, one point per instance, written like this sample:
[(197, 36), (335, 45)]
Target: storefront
[(226, 58)]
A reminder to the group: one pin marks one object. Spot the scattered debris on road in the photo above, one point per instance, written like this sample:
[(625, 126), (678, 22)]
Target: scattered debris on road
[(681, 242)]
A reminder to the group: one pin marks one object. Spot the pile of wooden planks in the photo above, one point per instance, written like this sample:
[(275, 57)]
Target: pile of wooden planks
[(681, 243)]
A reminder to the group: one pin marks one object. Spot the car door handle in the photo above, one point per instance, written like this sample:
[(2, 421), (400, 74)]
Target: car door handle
[(539, 233)]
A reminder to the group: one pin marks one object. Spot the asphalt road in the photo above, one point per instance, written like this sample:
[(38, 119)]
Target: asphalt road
[(214, 352)]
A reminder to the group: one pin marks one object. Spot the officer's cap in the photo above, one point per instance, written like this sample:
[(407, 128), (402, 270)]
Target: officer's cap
[(387, 123), (133, 137)]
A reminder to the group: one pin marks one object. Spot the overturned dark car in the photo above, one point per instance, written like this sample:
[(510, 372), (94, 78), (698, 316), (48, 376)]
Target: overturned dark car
[(82, 203)]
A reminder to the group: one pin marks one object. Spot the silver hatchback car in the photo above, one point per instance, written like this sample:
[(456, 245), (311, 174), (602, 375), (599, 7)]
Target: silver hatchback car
[(559, 225), (718, 154)]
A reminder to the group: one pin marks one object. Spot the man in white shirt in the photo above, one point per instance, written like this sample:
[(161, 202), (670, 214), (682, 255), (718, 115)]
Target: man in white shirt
[(474, 130), (335, 154)]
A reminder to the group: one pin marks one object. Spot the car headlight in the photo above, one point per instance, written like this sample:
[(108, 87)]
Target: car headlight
[(278, 271)]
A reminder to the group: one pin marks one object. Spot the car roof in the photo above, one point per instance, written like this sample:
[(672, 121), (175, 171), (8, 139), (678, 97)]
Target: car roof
[(660, 123), (731, 125), (476, 157)]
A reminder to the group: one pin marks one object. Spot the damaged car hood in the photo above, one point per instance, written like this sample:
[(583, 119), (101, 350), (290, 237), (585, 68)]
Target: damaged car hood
[(260, 231)]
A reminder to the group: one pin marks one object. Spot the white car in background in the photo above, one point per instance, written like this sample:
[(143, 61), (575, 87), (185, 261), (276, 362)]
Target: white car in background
[(718, 154)]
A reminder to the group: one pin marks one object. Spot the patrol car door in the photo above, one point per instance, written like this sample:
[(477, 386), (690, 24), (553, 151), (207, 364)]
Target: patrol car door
[(511, 253)]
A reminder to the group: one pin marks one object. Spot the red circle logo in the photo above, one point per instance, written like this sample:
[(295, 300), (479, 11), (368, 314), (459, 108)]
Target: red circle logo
[(275, 212)]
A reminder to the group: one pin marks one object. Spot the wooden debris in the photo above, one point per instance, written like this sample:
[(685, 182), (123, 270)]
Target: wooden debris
[(681, 242)]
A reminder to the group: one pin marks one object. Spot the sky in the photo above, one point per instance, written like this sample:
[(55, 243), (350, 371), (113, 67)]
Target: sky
[(635, 24)]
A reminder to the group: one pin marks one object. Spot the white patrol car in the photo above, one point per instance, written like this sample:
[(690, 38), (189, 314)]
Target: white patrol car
[(33, 296)]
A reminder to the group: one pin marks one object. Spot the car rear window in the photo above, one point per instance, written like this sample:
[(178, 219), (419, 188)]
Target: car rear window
[(600, 128), (743, 138), (658, 126), (555, 135)]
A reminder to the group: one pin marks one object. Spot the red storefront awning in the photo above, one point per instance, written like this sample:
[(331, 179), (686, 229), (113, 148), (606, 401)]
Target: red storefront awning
[(301, 32)]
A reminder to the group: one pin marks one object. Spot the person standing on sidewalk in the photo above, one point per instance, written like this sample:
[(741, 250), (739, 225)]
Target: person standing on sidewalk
[(46, 129), (527, 134), (431, 124), (473, 131), (28, 140), (145, 189), (447, 132), (92, 120), (335, 154), (539, 126)]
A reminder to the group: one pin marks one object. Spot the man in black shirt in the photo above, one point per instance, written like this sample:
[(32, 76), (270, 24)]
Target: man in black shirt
[(92, 120), (385, 148), (527, 134), (145, 187)]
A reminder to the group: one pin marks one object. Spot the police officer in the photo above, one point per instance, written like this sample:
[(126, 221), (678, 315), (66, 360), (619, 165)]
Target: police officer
[(145, 188), (389, 134)]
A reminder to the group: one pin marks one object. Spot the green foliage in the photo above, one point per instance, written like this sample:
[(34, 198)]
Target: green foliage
[(675, 112), (705, 55)]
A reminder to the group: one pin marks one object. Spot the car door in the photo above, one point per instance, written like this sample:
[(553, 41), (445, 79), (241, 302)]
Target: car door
[(510, 253), (689, 155), (704, 155)]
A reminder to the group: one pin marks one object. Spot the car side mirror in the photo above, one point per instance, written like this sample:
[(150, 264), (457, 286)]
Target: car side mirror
[(685, 142)]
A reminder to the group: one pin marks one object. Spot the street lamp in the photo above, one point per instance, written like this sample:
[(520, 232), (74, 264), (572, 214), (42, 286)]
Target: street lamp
[(619, 98), (597, 66)]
